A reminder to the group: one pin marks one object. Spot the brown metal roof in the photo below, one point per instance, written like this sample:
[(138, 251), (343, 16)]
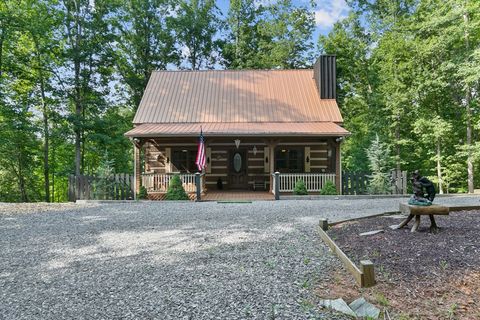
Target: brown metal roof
[(234, 96), (236, 129)]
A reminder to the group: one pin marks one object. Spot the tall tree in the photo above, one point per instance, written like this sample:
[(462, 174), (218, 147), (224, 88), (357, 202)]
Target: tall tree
[(285, 35), (267, 35), (357, 93), (40, 28), (240, 48), (145, 42), (196, 25), (86, 34), (451, 30)]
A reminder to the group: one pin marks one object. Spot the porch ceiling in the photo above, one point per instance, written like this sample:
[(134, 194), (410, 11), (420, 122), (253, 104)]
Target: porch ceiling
[(238, 129)]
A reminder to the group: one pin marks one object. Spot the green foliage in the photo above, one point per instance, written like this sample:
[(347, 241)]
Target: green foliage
[(328, 189), (300, 188), (175, 189), (379, 157), (142, 193), (142, 24), (408, 71), (274, 34), (73, 72), (195, 27)]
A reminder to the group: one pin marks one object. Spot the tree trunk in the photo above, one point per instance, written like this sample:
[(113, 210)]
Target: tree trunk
[(53, 173), (439, 168), (397, 146), (468, 111), (469, 147), (78, 95), (46, 133), (21, 179), (2, 36)]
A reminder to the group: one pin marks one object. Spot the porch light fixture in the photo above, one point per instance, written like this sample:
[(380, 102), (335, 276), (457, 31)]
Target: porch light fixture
[(208, 160), (266, 159), (254, 150), (329, 153), (168, 160), (308, 159)]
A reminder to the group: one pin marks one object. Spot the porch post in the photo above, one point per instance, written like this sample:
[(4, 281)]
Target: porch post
[(338, 165), (271, 147), (198, 185), (137, 174), (277, 185)]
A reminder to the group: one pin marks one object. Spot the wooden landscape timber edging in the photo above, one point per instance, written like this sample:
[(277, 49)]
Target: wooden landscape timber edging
[(365, 277)]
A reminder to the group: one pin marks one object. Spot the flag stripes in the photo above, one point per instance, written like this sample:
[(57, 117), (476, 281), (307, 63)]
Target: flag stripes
[(201, 157)]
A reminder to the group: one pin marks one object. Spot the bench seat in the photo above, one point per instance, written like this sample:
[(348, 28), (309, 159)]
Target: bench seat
[(421, 210)]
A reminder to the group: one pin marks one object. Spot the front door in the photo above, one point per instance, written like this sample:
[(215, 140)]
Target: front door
[(237, 169)]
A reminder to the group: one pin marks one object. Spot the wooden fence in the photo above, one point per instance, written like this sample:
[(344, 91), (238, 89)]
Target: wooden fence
[(354, 183), (118, 187)]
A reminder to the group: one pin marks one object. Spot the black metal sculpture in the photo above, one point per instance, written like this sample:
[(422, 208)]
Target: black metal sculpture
[(419, 183)]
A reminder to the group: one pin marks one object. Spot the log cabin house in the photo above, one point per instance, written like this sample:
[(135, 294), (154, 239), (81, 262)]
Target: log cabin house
[(255, 122)]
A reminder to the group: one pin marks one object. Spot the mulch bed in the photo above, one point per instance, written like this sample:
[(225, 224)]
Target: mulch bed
[(419, 275)]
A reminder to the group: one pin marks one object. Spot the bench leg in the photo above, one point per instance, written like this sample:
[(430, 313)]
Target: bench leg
[(433, 224), (405, 222), (416, 224)]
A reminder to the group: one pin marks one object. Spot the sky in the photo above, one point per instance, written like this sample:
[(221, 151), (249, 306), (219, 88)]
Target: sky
[(327, 12)]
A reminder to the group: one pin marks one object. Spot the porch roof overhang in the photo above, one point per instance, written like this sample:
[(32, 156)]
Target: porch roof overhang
[(324, 129)]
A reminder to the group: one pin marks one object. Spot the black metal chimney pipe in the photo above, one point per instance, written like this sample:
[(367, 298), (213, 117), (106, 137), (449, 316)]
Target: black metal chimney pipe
[(325, 74)]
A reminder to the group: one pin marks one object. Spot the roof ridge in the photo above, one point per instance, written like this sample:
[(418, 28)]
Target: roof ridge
[(231, 70)]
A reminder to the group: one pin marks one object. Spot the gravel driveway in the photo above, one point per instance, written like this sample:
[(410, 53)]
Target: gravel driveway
[(152, 260)]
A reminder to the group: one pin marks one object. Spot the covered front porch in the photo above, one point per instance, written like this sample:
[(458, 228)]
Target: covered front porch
[(157, 184), (238, 168)]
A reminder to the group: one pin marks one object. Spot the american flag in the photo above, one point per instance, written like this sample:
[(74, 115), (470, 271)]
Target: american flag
[(201, 159)]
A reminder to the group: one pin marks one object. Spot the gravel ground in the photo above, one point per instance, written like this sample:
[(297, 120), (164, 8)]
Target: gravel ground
[(153, 260)]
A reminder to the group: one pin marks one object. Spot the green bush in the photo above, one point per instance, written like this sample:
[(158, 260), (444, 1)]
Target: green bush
[(142, 193), (300, 188), (175, 189), (328, 189)]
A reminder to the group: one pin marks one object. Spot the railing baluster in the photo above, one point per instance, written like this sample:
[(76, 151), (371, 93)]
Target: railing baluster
[(314, 182)]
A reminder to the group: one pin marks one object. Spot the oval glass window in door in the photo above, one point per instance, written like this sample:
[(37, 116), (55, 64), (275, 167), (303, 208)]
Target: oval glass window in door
[(237, 162)]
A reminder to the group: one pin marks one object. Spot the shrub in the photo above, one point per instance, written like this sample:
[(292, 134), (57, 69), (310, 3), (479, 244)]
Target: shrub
[(300, 188), (142, 193), (328, 189), (379, 159), (175, 189)]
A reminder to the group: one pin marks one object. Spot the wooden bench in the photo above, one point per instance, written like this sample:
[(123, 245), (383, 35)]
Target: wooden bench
[(418, 211), (259, 185)]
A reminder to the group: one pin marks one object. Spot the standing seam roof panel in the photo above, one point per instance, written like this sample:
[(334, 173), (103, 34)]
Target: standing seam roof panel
[(234, 96)]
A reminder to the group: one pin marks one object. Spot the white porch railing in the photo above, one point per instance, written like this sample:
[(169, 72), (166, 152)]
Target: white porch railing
[(314, 182), (158, 182)]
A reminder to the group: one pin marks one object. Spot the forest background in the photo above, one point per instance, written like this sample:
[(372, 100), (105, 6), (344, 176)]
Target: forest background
[(72, 73)]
